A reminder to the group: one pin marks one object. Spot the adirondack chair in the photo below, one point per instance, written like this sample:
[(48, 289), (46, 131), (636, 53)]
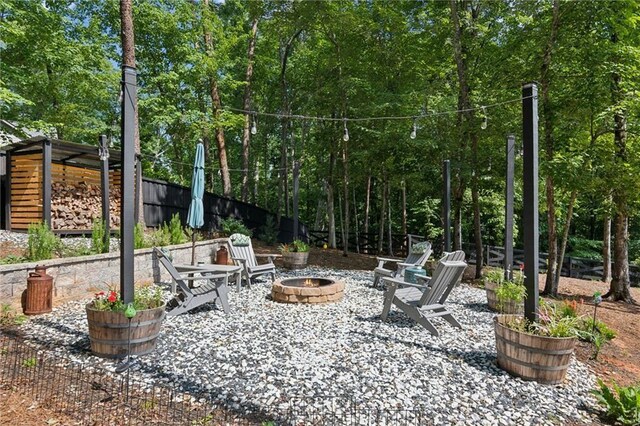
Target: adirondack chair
[(244, 256), (421, 302), (187, 298), (412, 260)]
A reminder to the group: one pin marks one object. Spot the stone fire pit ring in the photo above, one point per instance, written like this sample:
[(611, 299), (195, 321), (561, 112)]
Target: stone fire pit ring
[(307, 290)]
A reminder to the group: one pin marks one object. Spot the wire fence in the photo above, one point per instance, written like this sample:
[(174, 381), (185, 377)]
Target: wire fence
[(92, 396)]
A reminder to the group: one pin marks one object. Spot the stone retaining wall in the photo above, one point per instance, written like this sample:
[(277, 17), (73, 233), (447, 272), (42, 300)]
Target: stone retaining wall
[(81, 277)]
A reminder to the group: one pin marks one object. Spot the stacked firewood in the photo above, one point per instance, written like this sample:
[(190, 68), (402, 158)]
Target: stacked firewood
[(75, 205)]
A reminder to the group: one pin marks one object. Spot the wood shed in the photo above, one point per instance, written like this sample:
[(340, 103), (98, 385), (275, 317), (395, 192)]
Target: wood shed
[(62, 183)]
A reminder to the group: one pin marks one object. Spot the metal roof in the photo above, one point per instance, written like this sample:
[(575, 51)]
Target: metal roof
[(65, 152)]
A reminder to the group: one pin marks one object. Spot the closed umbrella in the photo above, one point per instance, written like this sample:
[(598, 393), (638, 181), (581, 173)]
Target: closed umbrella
[(195, 218)]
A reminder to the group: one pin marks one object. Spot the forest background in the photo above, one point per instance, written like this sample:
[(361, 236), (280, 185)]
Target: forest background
[(454, 69)]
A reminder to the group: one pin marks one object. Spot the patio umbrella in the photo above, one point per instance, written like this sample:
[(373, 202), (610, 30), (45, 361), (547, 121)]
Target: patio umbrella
[(195, 218)]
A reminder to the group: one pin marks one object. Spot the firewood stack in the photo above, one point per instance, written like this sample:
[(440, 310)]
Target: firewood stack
[(74, 206)]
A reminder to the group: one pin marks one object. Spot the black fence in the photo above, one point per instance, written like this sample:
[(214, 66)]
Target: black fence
[(574, 267), (162, 200), (90, 396), (367, 243)]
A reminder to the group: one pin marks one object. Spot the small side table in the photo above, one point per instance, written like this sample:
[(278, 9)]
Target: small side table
[(410, 274)]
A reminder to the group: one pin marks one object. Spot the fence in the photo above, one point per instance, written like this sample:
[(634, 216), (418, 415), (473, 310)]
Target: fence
[(574, 267), (367, 243), (162, 200), (91, 396)]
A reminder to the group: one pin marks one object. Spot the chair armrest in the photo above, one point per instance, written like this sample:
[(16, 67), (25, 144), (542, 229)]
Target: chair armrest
[(241, 260), (205, 277), (383, 260), (270, 257), (397, 283)]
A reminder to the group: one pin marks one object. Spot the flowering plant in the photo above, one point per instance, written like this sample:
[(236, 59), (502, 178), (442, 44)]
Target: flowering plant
[(144, 298)]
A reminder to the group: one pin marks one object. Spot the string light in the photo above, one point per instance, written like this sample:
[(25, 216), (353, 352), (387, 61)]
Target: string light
[(414, 129), (377, 118), (483, 126), (254, 128), (345, 135)]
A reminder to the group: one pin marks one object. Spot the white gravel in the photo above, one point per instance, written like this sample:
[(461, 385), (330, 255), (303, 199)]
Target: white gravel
[(265, 353)]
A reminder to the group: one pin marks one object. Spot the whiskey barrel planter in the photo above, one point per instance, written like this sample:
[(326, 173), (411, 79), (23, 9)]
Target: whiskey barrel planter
[(295, 260), (507, 307), (540, 358), (109, 331)]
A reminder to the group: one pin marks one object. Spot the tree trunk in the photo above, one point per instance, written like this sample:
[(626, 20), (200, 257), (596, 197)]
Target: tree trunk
[(127, 40), (619, 289), (330, 202), (458, 193), (355, 221), (551, 286), (216, 106), (345, 169), (606, 249), (367, 204), (246, 132), (390, 247), (553, 290), (404, 212), (475, 197), (383, 209)]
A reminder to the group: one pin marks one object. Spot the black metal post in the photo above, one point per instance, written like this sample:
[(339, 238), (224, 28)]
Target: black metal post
[(7, 198), (296, 190), (127, 218), (46, 182), (103, 152), (138, 187), (508, 208), (446, 204), (530, 197)]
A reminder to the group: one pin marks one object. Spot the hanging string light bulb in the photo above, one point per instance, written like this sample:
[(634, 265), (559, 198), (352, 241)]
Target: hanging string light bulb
[(414, 129), (483, 126), (254, 128), (345, 134)]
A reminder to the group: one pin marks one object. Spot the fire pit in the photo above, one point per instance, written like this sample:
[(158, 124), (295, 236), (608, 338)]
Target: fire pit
[(307, 290)]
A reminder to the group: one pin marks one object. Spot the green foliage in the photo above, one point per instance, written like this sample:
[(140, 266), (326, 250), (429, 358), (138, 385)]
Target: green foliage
[(269, 232), (144, 298), (297, 246), (551, 322), (7, 260), (42, 243), (139, 240), (232, 226), (621, 403), (598, 333), (98, 231), (30, 362), (9, 316), (584, 248), (160, 237), (507, 290), (176, 233)]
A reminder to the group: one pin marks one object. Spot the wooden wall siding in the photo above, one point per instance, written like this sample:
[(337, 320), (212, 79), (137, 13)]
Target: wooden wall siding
[(26, 190)]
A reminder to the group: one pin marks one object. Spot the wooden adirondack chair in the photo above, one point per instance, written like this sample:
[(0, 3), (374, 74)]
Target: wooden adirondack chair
[(187, 298), (412, 260), (421, 302), (244, 256)]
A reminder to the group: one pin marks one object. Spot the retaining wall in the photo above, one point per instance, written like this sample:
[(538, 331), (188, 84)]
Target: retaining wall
[(81, 277)]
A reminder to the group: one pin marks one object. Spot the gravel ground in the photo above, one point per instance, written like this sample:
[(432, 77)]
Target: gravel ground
[(264, 353)]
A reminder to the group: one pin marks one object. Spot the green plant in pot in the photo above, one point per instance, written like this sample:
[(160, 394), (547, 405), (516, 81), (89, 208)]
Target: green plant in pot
[(503, 295), (295, 254), (110, 329)]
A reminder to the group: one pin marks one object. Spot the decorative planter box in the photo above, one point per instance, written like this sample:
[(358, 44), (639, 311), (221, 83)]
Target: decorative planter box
[(295, 260)]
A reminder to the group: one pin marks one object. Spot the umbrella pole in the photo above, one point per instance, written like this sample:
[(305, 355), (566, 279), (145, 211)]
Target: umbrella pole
[(193, 246)]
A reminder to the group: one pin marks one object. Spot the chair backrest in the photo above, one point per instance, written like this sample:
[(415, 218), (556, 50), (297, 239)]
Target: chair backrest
[(453, 256), (445, 277), (243, 252), (175, 275)]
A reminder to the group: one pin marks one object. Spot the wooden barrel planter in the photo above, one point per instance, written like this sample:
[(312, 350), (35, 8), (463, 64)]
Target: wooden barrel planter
[(295, 260), (109, 331), (507, 307), (540, 358)]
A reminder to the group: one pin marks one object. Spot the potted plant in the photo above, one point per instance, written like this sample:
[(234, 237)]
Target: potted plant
[(117, 330), (295, 255), (505, 296), (540, 350)]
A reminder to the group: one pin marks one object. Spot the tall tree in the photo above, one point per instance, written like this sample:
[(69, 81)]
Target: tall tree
[(246, 133)]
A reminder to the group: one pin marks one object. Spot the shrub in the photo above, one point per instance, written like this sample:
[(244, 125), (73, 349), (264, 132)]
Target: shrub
[(622, 404), (176, 233), (160, 236), (138, 236), (297, 246), (9, 259), (98, 230), (596, 332), (269, 232), (42, 242), (9, 316), (232, 226)]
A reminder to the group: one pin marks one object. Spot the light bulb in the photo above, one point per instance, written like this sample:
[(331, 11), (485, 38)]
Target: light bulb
[(483, 126), (254, 128), (345, 135), (414, 130)]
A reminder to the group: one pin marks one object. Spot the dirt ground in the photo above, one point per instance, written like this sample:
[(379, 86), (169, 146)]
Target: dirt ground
[(617, 361)]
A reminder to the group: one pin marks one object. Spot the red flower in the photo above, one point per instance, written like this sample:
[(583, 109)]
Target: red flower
[(522, 266), (100, 294), (112, 297)]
